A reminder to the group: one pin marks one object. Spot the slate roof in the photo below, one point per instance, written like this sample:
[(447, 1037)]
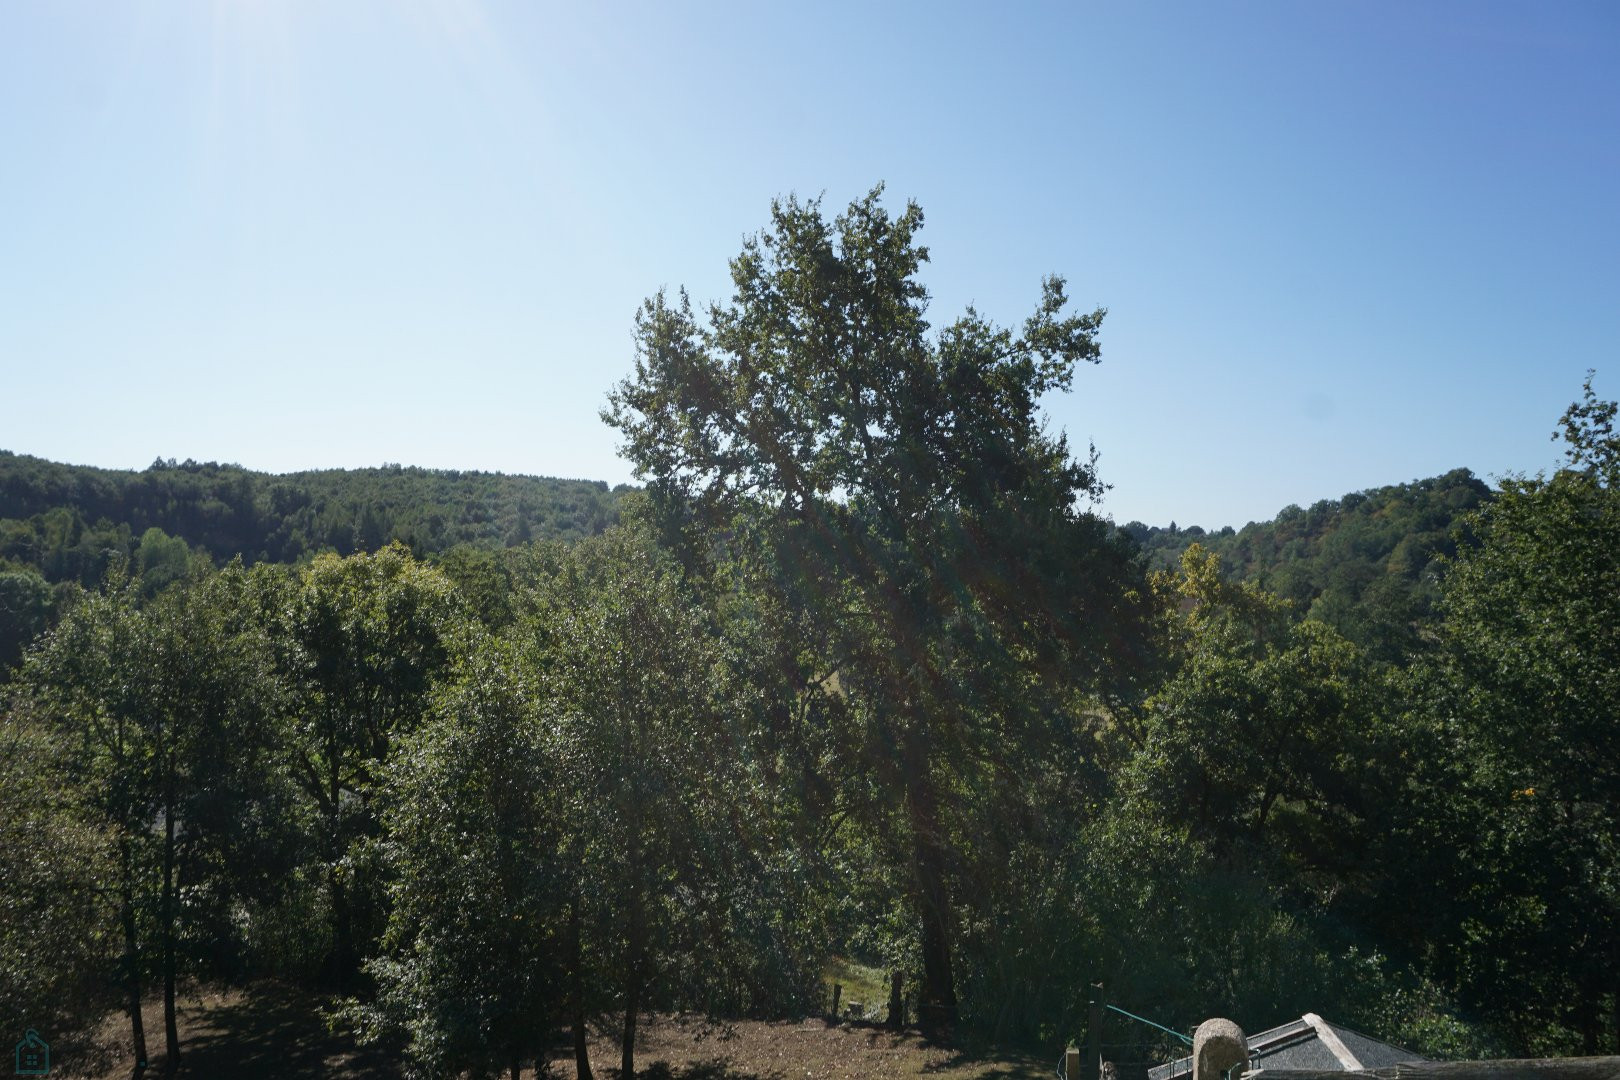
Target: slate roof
[(1306, 1043)]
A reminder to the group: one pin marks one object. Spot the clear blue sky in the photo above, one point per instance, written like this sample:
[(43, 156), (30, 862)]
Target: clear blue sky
[(1341, 244)]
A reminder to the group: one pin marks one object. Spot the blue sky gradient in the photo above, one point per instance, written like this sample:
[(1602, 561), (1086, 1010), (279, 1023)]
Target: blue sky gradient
[(1341, 245)]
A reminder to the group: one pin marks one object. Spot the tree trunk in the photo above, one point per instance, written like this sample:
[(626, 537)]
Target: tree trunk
[(340, 899), (1591, 1013), (340, 932), (936, 996), (171, 1030), (132, 965), (635, 954), (576, 972), (1614, 986), (632, 1007)]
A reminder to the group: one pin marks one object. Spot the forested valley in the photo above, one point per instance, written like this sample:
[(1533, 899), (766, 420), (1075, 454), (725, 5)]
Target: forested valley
[(488, 761)]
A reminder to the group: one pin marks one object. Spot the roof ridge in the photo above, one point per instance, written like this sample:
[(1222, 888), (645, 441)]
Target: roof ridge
[(1331, 1040)]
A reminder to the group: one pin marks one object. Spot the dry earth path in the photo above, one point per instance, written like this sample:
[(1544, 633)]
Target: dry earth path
[(268, 1030)]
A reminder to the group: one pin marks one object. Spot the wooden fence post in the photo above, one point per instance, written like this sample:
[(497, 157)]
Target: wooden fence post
[(1094, 1021)]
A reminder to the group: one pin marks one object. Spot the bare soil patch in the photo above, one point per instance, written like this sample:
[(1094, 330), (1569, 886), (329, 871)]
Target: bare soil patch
[(693, 1049), (254, 1033), (270, 1030)]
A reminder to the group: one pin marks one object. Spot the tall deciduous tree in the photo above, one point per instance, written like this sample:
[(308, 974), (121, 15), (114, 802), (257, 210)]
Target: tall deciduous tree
[(79, 677), (906, 490), (1530, 692), (631, 688), (170, 710), (57, 940), (474, 944), (363, 640)]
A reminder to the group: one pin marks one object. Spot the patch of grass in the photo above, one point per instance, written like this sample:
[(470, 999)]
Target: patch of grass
[(867, 985)]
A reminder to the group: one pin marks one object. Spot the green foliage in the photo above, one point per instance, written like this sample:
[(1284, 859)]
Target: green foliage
[(646, 761), (70, 521), (1187, 854), (160, 560), (362, 641), (55, 940), (27, 605), (1524, 706), (1264, 735), (486, 578), (169, 712), (468, 969), (62, 546), (1367, 564), (902, 488)]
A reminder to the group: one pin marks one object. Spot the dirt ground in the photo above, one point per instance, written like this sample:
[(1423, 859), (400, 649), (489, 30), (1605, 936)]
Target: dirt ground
[(254, 1034), (694, 1049), (275, 1031)]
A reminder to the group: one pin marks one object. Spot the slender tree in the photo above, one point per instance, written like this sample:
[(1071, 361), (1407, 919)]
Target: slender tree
[(362, 641), (170, 708), (78, 676), (473, 950), (58, 932), (631, 688)]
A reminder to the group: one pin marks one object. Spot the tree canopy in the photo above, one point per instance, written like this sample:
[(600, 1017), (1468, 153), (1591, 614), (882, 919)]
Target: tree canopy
[(902, 485)]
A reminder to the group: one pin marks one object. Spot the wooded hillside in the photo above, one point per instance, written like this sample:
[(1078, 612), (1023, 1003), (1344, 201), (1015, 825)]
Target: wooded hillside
[(65, 520), (1368, 564)]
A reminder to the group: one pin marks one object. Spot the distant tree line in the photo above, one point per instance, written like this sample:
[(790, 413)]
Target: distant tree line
[(67, 525), (66, 520), (856, 675)]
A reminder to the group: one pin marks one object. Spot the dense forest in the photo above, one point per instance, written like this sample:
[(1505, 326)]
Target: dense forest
[(63, 526), (70, 521), (1369, 564), (491, 761)]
